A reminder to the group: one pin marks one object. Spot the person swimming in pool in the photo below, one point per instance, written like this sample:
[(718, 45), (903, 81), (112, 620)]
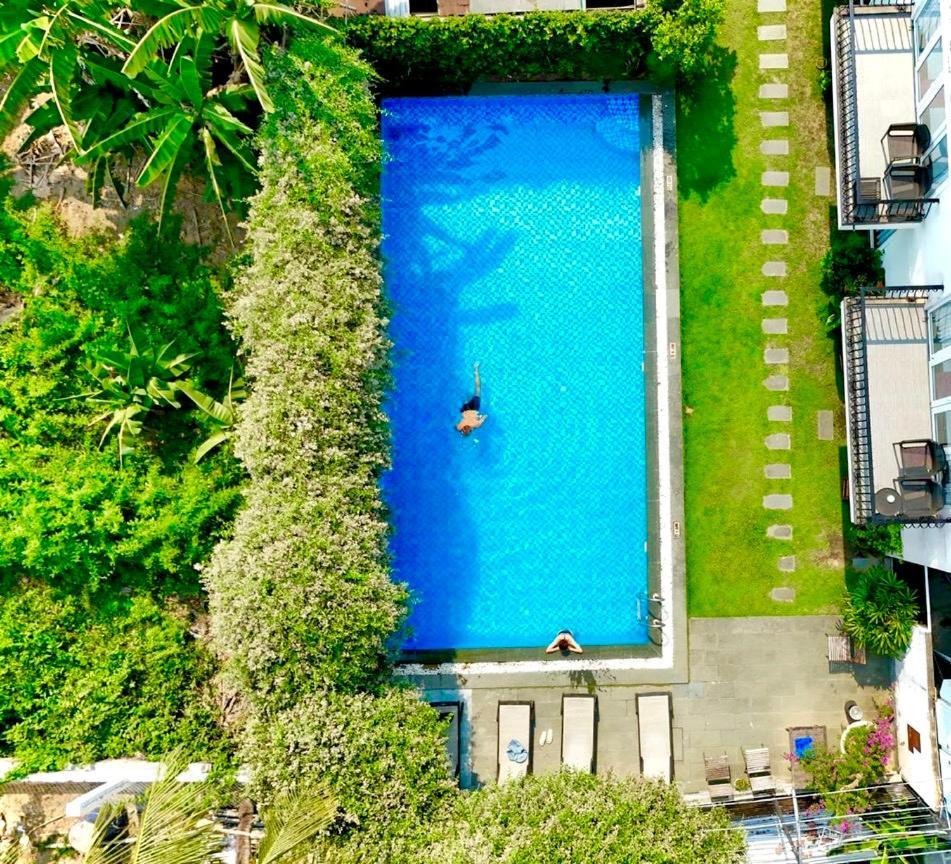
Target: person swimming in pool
[(471, 418), (565, 643)]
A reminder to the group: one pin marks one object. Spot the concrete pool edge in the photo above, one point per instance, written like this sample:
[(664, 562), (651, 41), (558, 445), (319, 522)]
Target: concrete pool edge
[(645, 663)]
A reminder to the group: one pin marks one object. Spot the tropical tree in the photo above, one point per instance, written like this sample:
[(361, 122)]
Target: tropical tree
[(880, 611), (191, 124), (238, 21), (172, 825)]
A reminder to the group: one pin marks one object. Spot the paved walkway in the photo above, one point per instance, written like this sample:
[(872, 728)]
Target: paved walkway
[(774, 237), (750, 679)]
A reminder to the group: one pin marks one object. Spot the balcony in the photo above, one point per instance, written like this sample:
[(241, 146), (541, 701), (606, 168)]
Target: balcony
[(883, 175), (896, 473)]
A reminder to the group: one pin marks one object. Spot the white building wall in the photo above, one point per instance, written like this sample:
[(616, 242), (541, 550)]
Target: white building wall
[(913, 707)]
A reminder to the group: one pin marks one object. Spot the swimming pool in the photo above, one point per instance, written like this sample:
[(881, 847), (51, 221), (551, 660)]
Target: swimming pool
[(512, 237)]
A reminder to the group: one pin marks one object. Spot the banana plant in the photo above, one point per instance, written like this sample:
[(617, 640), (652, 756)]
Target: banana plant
[(224, 413), (238, 21), (191, 124), (130, 384), (53, 48)]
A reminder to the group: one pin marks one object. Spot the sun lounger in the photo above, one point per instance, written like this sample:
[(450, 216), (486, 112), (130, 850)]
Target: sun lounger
[(655, 735), (578, 715), (515, 721), (758, 770), (719, 777), (452, 710)]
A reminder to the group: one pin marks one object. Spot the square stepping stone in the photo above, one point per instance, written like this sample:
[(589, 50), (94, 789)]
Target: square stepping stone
[(775, 298), (775, 356), (771, 32), (773, 91), (774, 268), (778, 471), (779, 413), (771, 6), (787, 564), (777, 502), (773, 61), (774, 237), (778, 441), (824, 182), (775, 178), (825, 425), (783, 595), (774, 147), (775, 326), (774, 206), (779, 532), (777, 383), (773, 119)]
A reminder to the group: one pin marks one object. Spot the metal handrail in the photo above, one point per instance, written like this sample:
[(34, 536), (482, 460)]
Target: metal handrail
[(860, 430)]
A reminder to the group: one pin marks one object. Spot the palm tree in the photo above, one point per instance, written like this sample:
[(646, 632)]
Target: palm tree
[(173, 826), (239, 21), (190, 124)]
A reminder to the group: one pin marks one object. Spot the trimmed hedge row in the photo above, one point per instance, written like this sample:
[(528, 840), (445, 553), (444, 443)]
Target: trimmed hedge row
[(449, 54)]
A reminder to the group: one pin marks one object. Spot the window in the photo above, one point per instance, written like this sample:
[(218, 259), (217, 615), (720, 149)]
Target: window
[(942, 428), (941, 378), (881, 236), (914, 739), (933, 115), (926, 25), (930, 69), (938, 157), (940, 320)]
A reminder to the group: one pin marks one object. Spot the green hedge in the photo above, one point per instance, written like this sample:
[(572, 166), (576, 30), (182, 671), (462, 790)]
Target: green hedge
[(301, 596), (449, 54)]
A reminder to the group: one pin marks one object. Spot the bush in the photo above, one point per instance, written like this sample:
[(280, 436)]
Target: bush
[(82, 683), (850, 265), (383, 756), (873, 539), (301, 596), (581, 817), (880, 611), (451, 53)]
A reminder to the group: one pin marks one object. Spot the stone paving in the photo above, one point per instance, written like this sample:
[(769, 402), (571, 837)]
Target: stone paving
[(749, 679)]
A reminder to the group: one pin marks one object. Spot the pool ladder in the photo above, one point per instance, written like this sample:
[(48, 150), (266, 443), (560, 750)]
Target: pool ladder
[(655, 617)]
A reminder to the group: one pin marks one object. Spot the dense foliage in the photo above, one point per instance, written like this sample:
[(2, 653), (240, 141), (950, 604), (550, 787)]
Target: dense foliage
[(95, 556), (382, 755), (880, 611), (843, 779), (451, 53), (850, 265), (875, 539), (568, 817), (301, 595)]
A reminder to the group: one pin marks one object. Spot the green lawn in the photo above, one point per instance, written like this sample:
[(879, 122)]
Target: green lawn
[(731, 565)]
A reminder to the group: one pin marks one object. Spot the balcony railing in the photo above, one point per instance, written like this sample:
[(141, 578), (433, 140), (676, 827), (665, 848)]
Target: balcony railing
[(906, 181), (855, 354)]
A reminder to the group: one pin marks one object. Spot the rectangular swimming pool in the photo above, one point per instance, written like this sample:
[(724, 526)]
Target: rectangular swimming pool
[(512, 237)]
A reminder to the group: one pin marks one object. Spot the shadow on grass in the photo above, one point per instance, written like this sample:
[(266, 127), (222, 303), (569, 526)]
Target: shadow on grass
[(706, 136)]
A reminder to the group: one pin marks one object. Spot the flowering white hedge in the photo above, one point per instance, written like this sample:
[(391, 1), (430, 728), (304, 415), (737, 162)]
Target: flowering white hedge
[(301, 597)]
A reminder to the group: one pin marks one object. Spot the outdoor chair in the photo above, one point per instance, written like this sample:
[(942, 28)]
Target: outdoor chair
[(920, 499), (905, 182), (758, 771), (920, 460), (719, 777), (841, 649), (905, 142), (515, 722), (578, 735), (655, 735), (453, 730)]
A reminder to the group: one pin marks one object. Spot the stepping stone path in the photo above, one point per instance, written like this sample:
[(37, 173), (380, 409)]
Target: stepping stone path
[(824, 182), (774, 236), (825, 425)]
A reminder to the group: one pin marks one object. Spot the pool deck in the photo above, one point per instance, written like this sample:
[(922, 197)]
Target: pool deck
[(749, 680)]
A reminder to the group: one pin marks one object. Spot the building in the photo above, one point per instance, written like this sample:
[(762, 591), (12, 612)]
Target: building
[(890, 70)]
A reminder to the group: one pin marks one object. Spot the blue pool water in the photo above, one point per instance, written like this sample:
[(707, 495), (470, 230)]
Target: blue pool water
[(513, 237)]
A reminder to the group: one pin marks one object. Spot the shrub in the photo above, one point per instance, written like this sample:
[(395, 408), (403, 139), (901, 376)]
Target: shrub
[(451, 53), (879, 612), (301, 595), (583, 817), (383, 756), (876, 539), (851, 264), (83, 683)]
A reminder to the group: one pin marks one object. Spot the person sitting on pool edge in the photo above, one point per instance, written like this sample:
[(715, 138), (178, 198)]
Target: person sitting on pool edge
[(565, 643), (471, 418)]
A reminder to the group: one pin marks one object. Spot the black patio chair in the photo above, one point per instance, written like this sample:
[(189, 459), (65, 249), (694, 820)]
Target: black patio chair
[(921, 459), (920, 499), (905, 143)]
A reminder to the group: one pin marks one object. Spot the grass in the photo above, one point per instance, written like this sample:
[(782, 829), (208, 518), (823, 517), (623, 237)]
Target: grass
[(731, 565)]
